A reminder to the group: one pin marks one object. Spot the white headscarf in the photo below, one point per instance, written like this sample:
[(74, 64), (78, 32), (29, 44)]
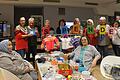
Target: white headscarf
[(102, 18), (90, 20)]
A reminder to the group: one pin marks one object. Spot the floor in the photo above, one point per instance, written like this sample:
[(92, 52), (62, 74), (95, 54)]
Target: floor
[(97, 74)]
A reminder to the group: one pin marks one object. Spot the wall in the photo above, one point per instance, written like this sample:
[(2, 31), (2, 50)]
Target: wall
[(7, 13), (51, 12), (108, 9)]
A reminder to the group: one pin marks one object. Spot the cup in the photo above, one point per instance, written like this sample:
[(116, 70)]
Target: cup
[(86, 74), (76, 66)]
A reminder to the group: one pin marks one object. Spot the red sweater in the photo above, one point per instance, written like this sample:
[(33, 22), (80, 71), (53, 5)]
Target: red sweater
[(21, 43), (49, 43), (91, 37)]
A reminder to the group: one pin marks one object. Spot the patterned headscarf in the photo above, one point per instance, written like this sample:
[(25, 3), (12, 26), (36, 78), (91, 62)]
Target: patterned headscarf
[(4, 46)]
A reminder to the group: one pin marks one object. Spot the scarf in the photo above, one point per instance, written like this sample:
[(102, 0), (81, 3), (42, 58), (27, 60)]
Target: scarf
[(22, 29), (6, 52)]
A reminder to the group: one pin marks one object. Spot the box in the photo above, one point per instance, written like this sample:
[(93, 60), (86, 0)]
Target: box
[(64, 69)]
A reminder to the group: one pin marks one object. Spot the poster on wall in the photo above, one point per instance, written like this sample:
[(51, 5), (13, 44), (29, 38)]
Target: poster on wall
[(38, 22)]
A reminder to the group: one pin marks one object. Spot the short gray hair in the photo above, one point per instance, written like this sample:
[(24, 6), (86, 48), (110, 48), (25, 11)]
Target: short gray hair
[(30, 19)]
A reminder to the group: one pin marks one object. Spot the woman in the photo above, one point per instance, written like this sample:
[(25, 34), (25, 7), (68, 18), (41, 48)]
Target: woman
[(62, 28), (76, 28), (32, 41), (103, 37), (50, 43), (86, 55), (116, 38), (13, 62), (46, 29), (91, 32)]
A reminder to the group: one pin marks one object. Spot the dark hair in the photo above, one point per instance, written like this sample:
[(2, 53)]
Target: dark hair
[(117, 22), (86, 38), (62, 20), (51, 29)]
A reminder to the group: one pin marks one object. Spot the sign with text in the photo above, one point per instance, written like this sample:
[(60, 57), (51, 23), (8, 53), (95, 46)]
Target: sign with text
[(102, 30)]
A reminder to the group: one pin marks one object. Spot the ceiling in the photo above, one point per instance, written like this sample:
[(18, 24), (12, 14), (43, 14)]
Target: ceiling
[(76, 3), (99, 1), (107, 7)]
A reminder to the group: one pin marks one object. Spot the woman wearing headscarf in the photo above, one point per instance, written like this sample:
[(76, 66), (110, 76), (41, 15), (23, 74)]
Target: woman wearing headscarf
[(13, 62)]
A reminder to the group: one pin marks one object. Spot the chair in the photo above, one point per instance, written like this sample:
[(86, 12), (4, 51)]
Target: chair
[(6, 75), (106, 65)]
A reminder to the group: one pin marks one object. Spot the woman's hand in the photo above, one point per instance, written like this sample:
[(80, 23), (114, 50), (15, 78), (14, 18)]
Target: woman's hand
[(29, 35), (27, 69), (92, 66), (94, 62)]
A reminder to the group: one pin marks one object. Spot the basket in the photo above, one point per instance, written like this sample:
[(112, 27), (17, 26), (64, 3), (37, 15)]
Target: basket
[(64, 69)]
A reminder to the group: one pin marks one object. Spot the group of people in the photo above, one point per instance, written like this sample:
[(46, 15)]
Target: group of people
[(100, 36), (94, 43), (25, 42)]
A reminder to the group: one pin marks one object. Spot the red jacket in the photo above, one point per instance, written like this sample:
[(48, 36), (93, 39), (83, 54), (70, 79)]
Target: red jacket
[(21, 43)]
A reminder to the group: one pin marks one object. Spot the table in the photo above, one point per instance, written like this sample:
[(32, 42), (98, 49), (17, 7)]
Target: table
[(42, 69)]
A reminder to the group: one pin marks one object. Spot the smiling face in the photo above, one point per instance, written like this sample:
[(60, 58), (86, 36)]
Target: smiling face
[(89, 23), (61, 23), (84, 41), (47, 23), (22, 23), (10, 46), (116, 24), (31, 24)]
